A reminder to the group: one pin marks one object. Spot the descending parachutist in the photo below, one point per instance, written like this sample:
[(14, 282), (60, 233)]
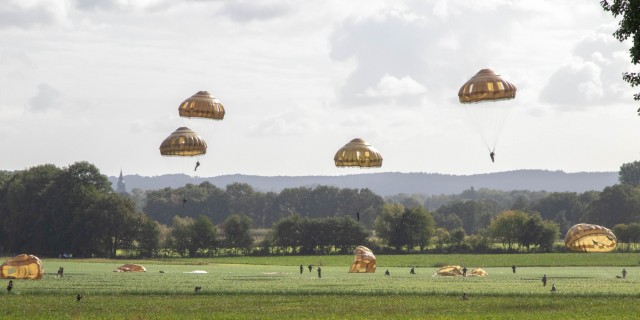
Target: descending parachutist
[(197, 165), (493, 156)]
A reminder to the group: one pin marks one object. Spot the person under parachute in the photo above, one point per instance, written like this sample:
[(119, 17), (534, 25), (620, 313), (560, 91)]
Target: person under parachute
[(197, 165), (487, 87)]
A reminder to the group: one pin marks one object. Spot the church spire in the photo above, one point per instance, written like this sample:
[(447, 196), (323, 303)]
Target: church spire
[(121, 187)]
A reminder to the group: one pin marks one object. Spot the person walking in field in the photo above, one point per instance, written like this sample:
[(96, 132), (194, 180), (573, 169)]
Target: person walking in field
[(624, 273), (301, 269), (464, 271), (412, 271), (319, 272), (310, 267), (513, 267), (544, 280)]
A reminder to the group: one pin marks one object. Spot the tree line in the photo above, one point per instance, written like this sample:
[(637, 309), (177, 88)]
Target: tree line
[(50, 211)]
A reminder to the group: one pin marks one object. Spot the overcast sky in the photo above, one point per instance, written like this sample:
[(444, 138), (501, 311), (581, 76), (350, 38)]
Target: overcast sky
[(101, 81)]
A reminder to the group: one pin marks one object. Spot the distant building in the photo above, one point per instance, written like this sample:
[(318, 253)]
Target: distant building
[(121, 187)]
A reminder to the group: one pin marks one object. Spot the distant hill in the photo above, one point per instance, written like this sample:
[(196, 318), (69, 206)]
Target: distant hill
[(391, 183)]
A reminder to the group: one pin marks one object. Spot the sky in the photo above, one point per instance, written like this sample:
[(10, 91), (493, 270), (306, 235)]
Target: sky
[(101, 81)]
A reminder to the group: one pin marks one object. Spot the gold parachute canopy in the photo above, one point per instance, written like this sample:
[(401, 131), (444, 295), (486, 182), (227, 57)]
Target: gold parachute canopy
[(364, 261), (358, 153), (130, 268), (184, 143), (450, 271), (24, 266), (486, 85), (585, 237), (202, 105)]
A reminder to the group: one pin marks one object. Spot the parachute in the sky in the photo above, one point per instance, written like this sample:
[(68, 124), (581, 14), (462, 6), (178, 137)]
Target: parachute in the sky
[(24, 266), (202, 105), (358, 153), (183, 143), (585, 237), (130, 268), (478, 95), (364, 261)]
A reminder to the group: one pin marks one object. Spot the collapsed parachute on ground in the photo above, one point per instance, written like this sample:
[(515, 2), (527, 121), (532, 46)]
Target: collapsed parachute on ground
[(487, 118), (450, 271), (130, 268), (183, 143), (22, 267), (364, 261), (358, 153), (202, 105), (454, 271), (590, 238), (478, 272)]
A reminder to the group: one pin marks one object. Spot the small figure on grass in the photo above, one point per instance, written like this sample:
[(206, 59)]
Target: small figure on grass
[(60, 272), (624, 273), (78, 297), (310, 267), (553, 287), (513, 268), (301, 269), (544, 280), (412, 271), (10, 286), (319, 272), (197, 289), (464, 271), (387, 273)]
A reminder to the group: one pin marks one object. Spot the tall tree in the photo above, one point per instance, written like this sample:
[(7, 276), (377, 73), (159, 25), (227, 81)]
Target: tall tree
[(507, 227), (237, 229), (405, 227), (628, 27), (630, 174), (619, 203), (203, 236)]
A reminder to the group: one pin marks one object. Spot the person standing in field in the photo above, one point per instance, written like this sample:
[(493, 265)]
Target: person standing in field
[(412, 271), (544, 280), (624, 273), (319, 272), (301, 269), (310, 267), (464, 271), (513, 267)]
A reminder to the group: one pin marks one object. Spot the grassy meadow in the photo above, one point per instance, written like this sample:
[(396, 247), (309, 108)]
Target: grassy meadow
[(274, 288)]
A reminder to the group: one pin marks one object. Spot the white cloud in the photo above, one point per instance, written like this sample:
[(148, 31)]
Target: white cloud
[(29, 14), (391, 87), (45, 99), (593, 77), (246, 11)]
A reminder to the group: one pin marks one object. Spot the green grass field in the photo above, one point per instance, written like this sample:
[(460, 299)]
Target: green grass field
[(273, 288)]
